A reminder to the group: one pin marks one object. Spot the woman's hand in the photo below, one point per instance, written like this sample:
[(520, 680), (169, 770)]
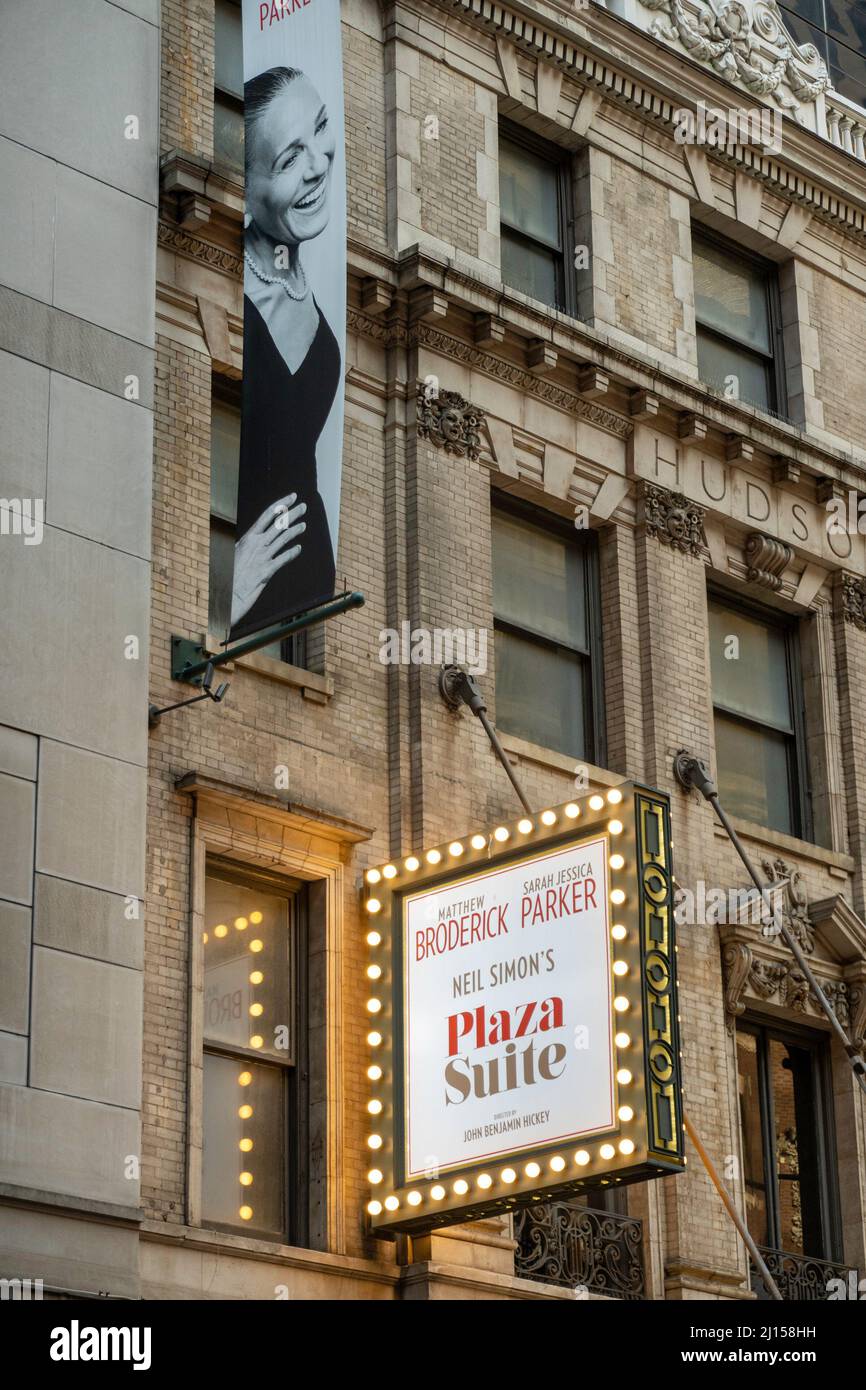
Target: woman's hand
[(262, 551)]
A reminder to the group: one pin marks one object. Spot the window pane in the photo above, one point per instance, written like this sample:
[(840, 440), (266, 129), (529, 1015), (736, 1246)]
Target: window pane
[(244, 1104), (731, 295), (796, 1149), (228, 48), (539, 695), (529, 269), (528, 193), (718, 362), (228, 133), (247, 967), (748, 1085), (749, 666), (225, 452), (222, 560), (538, 581), (753, 774), (848, 70)]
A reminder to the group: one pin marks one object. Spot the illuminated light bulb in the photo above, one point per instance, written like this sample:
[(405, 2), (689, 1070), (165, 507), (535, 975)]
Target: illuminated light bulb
[(461, 1187), (500, 834), (532, 1170), (620, 967), (391, 1203), (373, 905), (433, 856), (548, 818), (373, 876), (374, 1107), (581, 1158), (614, 796), (374, 1039), (257, 1040), (572, 810), (524, 826), (557, 1164), (413, 863), (414, 1199), (617, 897), (374, 1073), (255, 918), (626, 1146), (245, 1112), (245, 1078), (390, 871), (246, 1213), (508, 1175), (625, 1112), (374, 1208), (374, 1176), (622, 1040), (455, 848), (607, 1151), (478, 842), (256, 946), (374, 972), (256, 977), (618, 933), (620, 1003), (241, 923), (615, 827), (245, 1145), (204, 938), (596, 803), (437, 1192), (485, 1180), (616, 861), (221, 930), (373, 1006), (256, 1010), (374, 1141), (374, 938), (246, 1179), (624, 1076)]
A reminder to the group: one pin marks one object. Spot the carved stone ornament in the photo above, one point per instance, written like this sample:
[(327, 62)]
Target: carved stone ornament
[(745, 42), (854, 600), (767, 560), (449, 421), (795, 905), (674, 520)]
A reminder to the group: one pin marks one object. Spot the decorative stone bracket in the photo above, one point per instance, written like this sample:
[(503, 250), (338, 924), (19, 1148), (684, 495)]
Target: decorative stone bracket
[(449, 421), (853, 594), (670, 517), (767, 559)]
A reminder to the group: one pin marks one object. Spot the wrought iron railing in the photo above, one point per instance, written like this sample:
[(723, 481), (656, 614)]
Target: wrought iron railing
[(594, 1252), (802, 1279)]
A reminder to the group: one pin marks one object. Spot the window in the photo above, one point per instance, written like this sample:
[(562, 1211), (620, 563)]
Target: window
[(225, 450), (228, 101), (757, 704), (535, 201), (738, 324), (837, 28), (255, 1067), (786, 1121), (546, 621)]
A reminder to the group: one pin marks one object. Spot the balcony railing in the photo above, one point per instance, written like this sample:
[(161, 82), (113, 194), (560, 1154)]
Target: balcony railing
[(577, 1248), (801, 1279)]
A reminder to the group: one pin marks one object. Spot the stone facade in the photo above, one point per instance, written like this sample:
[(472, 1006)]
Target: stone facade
[(602, 416)]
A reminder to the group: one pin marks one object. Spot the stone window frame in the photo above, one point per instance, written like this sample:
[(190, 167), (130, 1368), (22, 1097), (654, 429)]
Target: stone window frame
[(562, 161), (236, 827)]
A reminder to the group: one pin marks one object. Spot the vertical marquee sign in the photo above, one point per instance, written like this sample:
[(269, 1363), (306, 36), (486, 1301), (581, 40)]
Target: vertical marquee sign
[(294, 311), (522, 1013)]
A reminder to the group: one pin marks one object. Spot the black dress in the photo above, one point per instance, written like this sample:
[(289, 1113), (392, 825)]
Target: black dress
[(284, 413)]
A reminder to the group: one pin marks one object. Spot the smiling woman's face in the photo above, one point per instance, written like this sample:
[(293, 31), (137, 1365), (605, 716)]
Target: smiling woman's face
[(289, 176)]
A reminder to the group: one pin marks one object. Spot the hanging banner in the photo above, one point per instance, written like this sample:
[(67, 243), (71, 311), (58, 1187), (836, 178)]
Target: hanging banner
[(294, 312), (521, 1004)]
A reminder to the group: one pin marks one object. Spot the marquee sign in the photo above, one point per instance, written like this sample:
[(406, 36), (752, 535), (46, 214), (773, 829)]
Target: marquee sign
[(522, 1014)]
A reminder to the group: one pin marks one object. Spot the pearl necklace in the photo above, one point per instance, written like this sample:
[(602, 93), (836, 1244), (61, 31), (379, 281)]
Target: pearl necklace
[(276, 279)]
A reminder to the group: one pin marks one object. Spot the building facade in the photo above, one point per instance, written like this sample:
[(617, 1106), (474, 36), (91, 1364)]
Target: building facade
[(605, 445)]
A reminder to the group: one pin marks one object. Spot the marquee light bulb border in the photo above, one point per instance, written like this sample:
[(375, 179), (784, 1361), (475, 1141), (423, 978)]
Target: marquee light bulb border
[(647, 1140)]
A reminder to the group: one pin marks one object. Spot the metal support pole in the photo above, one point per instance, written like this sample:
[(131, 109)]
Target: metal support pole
[(731, 1209), (458, 688), (692, 772)]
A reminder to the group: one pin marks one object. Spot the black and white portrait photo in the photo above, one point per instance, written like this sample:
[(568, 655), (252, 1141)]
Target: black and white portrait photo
[(294, 317)]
